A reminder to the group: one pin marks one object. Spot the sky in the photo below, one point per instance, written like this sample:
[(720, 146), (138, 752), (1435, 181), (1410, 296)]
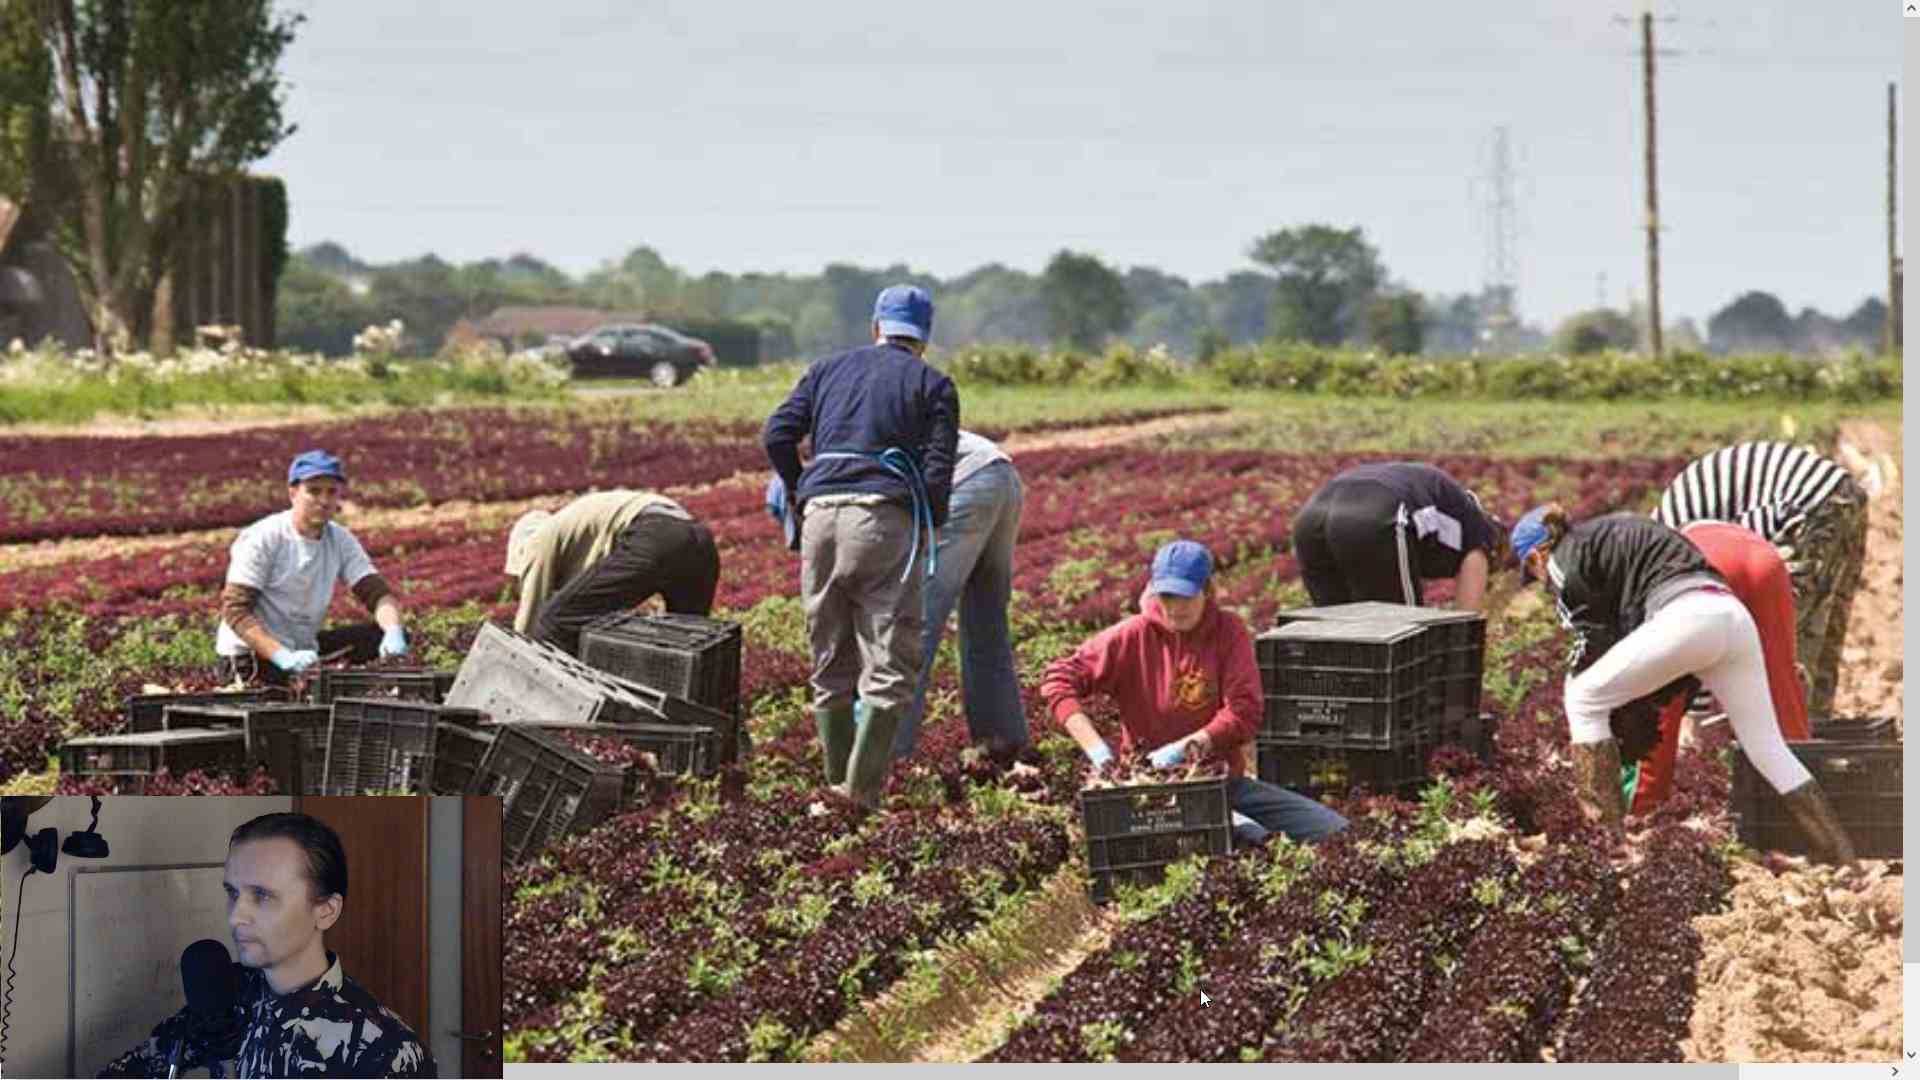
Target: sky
[(746, 136)]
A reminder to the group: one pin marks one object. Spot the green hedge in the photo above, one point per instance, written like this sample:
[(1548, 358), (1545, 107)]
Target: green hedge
[(1346, 372)]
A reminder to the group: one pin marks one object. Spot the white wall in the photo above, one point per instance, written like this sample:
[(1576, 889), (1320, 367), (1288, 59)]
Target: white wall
[(140, 831)]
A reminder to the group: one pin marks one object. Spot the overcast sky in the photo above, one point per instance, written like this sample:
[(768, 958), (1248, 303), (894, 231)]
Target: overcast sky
[(739, 136)]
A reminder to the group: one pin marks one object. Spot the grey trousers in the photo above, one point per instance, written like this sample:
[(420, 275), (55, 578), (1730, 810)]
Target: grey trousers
[(863, 620)]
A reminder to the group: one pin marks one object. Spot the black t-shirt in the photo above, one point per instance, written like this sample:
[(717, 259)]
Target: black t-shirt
[(1444, 519), (1603, 572)]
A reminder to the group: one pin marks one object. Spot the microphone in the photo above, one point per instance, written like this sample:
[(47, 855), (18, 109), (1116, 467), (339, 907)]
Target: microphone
[(206, 973)]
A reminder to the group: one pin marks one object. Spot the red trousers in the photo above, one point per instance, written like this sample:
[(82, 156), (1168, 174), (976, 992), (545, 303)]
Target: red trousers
[(1758, 576)]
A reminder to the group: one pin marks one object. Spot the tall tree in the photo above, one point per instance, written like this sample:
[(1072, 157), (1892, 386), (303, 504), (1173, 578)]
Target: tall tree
[(1086, 300), (1396, 323), (1754, 322), (142, 99), (1326, 277)]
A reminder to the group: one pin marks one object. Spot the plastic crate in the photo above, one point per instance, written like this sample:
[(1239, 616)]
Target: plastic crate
[(145, 712), (683, 751), (139, 755), (547, 789), (1317, 770), (1446, 630), (513, 678), (290, 740), (458, 752), (1861, 779), (687, 656), (413, 684), (1142, 860), (1154, 808), (1341, 644), (1454, 699), (385, 743), (1854, 728), (1362, 722)]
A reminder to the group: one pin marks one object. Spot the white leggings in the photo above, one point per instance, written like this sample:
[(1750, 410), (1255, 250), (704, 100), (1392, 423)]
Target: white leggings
[(1707, 633)]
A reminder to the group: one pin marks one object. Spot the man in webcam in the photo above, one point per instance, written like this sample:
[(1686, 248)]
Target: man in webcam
[(294, 1012)]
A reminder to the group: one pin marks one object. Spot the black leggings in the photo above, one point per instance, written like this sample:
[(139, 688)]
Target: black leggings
[(362, 640), (658, 553), (1354, 541)]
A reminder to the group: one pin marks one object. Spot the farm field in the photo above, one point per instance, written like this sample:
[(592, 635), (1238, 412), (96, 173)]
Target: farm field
[(735, 919)]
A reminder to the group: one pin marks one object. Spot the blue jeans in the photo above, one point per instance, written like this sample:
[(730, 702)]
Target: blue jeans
[(975, 572), (1260, 809)]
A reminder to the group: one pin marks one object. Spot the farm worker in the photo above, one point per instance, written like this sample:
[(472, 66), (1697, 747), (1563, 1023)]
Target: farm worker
[(280, 580), (1183, 675), (1376, 530), (1647, 608), (605, 552), (1758, 576), (975, 570), (865, 515), (1809, 507), (294, 1010)]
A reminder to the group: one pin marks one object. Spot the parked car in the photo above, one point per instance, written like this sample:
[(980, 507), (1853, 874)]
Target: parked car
[(666, 356)]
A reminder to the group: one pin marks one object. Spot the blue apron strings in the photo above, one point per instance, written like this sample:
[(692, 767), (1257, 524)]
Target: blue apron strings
[(901, 464)]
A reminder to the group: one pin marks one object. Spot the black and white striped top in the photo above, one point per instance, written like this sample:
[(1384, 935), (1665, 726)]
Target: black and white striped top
[(1767, 487)]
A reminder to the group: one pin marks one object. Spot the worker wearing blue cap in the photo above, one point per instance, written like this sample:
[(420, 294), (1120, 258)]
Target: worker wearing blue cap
[(280, 581), (864, 514)]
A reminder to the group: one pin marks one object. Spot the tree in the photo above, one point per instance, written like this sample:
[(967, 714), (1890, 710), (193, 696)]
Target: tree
[(1241, 305), (1396, 324), (1086, 300), (142, 99), (1594, 331), (1326, 276), (1753, 322), (316, 311)]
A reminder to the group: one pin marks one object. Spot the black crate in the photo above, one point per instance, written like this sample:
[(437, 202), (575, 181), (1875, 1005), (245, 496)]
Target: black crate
[(145, 712), (1454, 699), (677, 750), (1142, 860), (1861, 779), (1153, 808), (1446, 630), (1854, 728), (290, 740), (1289, 680), (548, 790), (1455, 663), (140, 755), (1340, 644), (413, 684), (1318, 770), (377, 744), (1362, 722), (514, 678), (458, 752), (684, 655)]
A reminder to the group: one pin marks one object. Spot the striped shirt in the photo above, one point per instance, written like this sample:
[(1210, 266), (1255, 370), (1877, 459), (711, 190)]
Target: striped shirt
[(1767, 487)]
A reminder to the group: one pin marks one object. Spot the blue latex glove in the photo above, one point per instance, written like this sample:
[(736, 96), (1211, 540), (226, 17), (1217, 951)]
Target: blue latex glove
[(1100, 755), (294, 659), (393, 643), (1169, 755)]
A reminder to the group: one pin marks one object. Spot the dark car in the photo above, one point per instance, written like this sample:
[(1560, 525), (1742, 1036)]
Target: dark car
[(631, 350)]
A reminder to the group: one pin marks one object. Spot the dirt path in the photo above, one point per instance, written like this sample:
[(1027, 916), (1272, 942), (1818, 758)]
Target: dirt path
[(1872, 665), (1114, 434)]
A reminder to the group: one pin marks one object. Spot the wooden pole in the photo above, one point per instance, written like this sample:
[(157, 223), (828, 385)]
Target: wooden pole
[(1653, 194)]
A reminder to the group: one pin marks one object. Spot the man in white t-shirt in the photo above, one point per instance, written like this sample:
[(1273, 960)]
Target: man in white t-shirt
[(281, 578)]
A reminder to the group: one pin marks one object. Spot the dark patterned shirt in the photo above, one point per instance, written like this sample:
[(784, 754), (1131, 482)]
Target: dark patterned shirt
[(1767, 487), (330, 1027)]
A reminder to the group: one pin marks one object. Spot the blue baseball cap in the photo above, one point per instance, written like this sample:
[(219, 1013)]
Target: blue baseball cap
[(904, 311), (1181, 568), (1529, 533), (777, 506), (315, 463)]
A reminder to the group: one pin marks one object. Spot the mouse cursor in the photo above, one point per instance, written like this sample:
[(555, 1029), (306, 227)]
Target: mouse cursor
[(1204, 999)]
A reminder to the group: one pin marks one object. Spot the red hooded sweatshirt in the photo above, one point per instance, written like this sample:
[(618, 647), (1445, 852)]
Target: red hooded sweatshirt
[(1168, 685)]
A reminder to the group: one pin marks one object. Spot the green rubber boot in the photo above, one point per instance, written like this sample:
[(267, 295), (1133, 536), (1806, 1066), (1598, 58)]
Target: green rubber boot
[(872, 756), (836, 728)]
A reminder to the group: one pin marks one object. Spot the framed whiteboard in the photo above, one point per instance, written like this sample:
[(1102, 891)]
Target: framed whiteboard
[(126, 929)]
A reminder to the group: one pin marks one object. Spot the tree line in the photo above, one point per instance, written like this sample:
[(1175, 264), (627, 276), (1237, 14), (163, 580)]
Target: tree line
[(1313, 283)]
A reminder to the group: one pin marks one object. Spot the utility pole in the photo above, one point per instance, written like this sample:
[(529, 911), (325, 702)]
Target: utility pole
[(1893, 252), (1653, 194)]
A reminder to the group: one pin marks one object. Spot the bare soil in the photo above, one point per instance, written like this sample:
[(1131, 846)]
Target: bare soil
[(1803, 967), (1872, 667)]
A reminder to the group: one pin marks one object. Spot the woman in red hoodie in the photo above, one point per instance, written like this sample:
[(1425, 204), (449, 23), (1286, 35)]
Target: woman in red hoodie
[(1183, 674)]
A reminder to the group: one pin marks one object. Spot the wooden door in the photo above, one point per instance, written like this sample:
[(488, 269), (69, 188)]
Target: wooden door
[(381, 937), (481, 920)]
